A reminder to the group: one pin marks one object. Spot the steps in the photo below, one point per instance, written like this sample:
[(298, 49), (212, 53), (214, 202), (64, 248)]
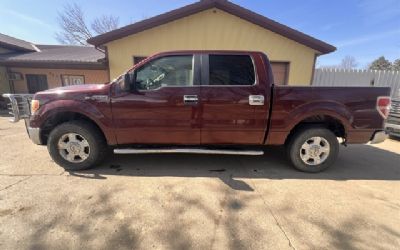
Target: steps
[(187, 151)]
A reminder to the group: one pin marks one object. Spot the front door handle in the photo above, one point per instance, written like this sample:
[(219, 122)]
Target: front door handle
[(190, 99), (256, 100)]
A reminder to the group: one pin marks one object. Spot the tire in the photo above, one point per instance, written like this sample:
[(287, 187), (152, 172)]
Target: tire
[(88, 145), (304, 144)]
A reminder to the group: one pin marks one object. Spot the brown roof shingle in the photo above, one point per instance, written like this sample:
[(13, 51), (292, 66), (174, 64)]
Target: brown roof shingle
[(222, 5), (13, 43), (57, 56)]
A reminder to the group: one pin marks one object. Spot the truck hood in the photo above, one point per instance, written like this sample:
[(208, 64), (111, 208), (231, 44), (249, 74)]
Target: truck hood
[(76, 92)]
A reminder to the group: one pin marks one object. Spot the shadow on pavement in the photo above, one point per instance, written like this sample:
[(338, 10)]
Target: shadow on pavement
[(356, 162)]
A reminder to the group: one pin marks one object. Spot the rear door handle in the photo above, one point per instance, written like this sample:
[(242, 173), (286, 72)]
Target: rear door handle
[(190, 99), (256, 100)]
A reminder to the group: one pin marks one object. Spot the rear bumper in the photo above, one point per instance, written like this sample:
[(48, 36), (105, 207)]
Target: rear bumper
[(378, 137)]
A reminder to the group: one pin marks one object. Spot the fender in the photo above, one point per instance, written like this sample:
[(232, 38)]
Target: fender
[(283, 121), (329, 108), (99, 113)]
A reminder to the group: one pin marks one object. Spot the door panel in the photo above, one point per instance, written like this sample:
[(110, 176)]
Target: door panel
[(157, 117), (227, 116), (158, 114)]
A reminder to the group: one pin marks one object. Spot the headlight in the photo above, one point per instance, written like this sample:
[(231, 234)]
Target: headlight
[(35, 105)]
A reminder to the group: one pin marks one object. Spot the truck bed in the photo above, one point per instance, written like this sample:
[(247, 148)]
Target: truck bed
[(354, 107)]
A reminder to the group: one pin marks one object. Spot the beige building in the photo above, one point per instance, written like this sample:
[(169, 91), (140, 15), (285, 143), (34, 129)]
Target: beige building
[(29, 68), (215, 25)]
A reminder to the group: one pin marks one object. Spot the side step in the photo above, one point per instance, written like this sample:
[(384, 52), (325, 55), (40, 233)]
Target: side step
[(188, 151)]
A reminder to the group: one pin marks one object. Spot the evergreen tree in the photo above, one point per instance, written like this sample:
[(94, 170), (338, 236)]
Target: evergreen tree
[(396, 65), (381, 64)]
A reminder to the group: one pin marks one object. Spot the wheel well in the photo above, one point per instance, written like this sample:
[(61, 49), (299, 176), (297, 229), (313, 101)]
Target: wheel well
[(62, 117), (325, 121)]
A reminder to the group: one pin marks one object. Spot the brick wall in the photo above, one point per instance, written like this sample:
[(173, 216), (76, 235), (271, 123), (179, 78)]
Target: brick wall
[(54, 76)]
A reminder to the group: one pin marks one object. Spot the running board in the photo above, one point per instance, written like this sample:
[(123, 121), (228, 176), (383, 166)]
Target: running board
[(188, 151)]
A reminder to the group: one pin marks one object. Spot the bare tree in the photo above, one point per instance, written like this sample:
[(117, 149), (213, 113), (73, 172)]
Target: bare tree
[(74, 27), (349, 62), (104, 24)]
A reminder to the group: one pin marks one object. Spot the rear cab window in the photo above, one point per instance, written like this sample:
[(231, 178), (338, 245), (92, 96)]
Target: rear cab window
[(231, 70)]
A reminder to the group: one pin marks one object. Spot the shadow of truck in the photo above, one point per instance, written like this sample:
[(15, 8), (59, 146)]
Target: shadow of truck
[(356, 162)]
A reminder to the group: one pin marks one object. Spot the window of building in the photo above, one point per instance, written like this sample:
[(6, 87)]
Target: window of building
[(166, 71), (231, 70), (36, 83), (72, 80)]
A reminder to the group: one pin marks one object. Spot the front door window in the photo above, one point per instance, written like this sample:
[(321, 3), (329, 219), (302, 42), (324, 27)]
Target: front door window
[(166, 71)]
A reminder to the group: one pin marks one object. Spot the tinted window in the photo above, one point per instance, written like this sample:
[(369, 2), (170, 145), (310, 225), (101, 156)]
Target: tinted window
[(165, 71), (231, 70)]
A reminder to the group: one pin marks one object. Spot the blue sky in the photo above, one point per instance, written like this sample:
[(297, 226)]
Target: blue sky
[(365, 29)]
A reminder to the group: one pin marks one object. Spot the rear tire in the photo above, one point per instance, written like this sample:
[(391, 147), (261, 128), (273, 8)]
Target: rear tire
[(312, 149), (77, 145)]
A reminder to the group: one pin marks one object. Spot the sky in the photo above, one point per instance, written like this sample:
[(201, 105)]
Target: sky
[(364, 29)]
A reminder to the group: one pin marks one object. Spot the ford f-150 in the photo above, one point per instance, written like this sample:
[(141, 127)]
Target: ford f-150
[(214, 102)]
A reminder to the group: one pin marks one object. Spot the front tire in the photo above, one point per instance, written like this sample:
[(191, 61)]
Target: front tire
[(76, 145), (313, 149)]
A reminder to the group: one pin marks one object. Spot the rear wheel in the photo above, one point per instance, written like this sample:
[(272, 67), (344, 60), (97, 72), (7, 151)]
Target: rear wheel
[(76, 145), (313, 149)]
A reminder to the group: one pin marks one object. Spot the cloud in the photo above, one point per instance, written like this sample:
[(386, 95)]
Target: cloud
[(26, 18), (367, 39)]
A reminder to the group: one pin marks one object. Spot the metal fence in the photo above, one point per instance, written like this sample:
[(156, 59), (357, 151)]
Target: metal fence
[(343, 77)]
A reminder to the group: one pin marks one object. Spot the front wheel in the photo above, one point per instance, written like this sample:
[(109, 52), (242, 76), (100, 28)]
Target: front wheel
[(76, 145), (313, 149)]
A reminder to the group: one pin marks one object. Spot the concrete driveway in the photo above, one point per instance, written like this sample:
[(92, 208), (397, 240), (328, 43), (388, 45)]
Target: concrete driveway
[(199, 202)]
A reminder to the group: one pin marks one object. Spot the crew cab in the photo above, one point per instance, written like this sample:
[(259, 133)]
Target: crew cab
[(213, 102)]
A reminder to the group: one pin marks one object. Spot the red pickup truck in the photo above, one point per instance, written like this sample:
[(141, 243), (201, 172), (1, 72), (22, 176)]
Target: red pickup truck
[(214, 102)]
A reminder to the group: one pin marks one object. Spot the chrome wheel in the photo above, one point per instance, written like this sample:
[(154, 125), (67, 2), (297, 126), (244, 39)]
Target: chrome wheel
[(73, 147), (314, 151)]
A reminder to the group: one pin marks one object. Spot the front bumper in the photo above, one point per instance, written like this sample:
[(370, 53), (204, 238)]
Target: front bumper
[(34, 135), (378, 137)]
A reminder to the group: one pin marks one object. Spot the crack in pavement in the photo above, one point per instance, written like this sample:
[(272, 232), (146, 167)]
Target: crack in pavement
[(15, 183), (31, 175), (269, 209), (273, 216), (28, 176)]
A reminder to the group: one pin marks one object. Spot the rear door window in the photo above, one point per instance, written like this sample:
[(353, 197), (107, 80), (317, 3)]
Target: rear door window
[(231, 70)]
